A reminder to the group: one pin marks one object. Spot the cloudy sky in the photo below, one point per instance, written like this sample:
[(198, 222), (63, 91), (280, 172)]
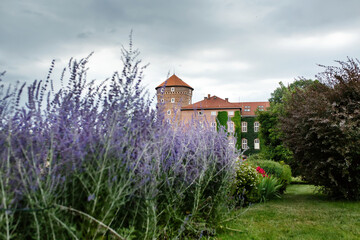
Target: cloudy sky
[(240, 49)]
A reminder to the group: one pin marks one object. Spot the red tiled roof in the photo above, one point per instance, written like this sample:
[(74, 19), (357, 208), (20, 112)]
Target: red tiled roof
[(213, 102), (249, 108), (174, 81)]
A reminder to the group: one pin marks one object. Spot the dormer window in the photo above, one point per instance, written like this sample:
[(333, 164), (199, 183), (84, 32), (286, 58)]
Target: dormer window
[(172, 89)]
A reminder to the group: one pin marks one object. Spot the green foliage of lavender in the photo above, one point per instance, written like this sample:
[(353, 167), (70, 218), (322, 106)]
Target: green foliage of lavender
[(94, 160)]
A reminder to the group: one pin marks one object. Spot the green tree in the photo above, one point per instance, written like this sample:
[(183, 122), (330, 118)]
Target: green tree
[(321, 127), (270, 131)]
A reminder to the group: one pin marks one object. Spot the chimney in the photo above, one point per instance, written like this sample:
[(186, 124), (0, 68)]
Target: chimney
[(208, 95), (205, 98), (227, 99)]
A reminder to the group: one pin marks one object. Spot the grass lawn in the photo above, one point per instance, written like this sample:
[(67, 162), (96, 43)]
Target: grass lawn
[(300, 214)]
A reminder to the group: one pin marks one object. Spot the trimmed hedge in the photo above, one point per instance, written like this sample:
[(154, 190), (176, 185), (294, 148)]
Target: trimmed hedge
[(278, 170)]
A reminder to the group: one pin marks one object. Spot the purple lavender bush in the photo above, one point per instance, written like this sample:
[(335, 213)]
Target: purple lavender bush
[(94, 160)]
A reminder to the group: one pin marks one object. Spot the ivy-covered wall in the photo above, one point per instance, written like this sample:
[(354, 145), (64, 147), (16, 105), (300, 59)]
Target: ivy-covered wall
[(222, 119), (237, 122), (250, 135)]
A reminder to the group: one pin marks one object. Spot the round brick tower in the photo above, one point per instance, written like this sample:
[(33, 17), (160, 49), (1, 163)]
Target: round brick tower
[(173, 94)]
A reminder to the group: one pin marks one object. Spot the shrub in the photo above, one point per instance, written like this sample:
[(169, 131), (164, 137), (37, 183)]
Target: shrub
[(321, 127), (94, 159), (269, 188), (246, 181), (276, 169)]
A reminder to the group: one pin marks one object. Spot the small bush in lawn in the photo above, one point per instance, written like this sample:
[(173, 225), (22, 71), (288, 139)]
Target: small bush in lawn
[(246, 182), (93, 160), (269, 188), (276, 169)]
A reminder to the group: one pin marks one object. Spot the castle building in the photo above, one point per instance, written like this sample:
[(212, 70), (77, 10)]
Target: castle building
[(238, 118)]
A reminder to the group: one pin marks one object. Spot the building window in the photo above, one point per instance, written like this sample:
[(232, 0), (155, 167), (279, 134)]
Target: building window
[(231, 113), (172, 89), (162, 101), (213, 113), (231, 126), (257, 143), (256, 126), (244, 126), (172, 100), (213, 126), (189, 101), (232, 141), (190, 91), (162, 90), (247, 109), (244, 144), (201, 113), (168, 121), (168, 112)]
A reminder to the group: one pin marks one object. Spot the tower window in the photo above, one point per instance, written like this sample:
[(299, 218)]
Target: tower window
[(201, 113), (162, 100), (172, 89), (172, 100), (168, 112)]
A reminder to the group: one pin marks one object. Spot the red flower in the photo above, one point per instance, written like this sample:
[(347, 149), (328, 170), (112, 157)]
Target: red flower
[(261, 171)]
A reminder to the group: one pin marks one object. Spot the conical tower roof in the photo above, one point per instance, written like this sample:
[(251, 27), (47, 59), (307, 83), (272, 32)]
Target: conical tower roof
[(174, 81)]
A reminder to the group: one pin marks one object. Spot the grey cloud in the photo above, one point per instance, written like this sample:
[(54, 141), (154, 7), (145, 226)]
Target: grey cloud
[(172, 32)]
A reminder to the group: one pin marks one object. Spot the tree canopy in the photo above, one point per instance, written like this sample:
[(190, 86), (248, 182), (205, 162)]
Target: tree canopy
[(321, 126)]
